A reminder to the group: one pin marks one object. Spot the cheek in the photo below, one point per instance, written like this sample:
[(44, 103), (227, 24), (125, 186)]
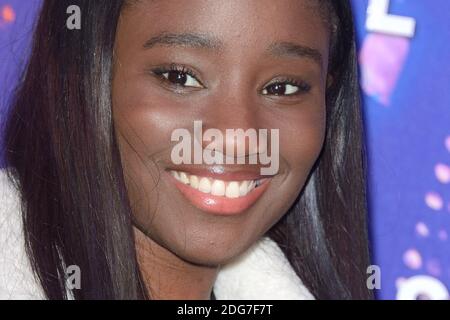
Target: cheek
[(143, 137), (303, 145), (145, 118), (302, 139)]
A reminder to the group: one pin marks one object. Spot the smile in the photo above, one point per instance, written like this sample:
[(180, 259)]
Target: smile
[(232, 194)]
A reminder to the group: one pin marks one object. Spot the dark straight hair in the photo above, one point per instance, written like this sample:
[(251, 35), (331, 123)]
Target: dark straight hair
[(64, 159)]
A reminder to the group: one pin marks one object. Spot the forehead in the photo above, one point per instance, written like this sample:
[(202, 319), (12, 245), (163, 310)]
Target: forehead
[(245, 26)]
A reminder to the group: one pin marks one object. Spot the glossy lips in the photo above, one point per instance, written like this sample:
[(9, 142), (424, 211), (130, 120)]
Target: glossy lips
[(219, 196)]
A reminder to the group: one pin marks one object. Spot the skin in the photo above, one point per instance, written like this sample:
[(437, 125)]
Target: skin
[(181, 248)]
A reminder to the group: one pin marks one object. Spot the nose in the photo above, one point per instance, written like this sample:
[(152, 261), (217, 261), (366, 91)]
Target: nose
[(235, 116)]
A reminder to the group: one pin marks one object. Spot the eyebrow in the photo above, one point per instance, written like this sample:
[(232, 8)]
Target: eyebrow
[(193, 40), (204, 41), (290, 49)]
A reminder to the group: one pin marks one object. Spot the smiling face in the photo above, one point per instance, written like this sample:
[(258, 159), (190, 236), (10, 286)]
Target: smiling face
[(254, 64)]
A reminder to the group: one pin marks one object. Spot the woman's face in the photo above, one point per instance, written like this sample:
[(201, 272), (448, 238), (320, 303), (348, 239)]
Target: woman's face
[(253, 64)]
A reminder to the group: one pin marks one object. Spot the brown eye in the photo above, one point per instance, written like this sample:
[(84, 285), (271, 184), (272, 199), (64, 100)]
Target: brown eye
[(178, 77), (285, 89), (281, 89)]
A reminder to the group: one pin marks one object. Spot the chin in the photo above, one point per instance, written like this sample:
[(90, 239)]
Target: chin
[(209, 252)]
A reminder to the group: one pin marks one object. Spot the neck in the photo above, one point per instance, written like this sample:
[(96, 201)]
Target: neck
[(169, 277)]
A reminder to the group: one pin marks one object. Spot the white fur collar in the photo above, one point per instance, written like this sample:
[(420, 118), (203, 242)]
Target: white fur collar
[(261, 273)]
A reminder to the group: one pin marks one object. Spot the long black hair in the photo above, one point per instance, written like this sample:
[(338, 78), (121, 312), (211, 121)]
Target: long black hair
[(63, 157)]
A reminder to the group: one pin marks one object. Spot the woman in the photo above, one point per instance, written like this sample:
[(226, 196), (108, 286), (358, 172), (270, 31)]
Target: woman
[(89, 148)]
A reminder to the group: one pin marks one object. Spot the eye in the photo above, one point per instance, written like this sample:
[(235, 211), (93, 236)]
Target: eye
[(288, 87), (179, 76)]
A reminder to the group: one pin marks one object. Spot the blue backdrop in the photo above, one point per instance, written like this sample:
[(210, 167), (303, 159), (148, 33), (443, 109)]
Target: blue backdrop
[(404, 56)]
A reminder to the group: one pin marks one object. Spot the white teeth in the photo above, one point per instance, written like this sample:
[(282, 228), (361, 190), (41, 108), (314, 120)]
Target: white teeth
[(193, 181), (231, 189), (251, 186), (175, 175), (218, 188), (204, 185), (243, 188), (184, 178)]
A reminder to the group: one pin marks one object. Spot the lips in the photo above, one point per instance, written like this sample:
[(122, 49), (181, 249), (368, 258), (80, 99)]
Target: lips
[(224, 193)]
